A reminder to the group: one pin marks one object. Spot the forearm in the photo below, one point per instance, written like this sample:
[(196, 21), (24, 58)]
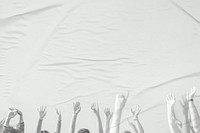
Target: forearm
[(116, 121), (170, 114), (73, 124), (7, 121), (58, 126), (133, 127), (107, 126), (195, 119), (21, 120), (39, 126), (171, 121), (185, 126), (99, 123), (139, 126)]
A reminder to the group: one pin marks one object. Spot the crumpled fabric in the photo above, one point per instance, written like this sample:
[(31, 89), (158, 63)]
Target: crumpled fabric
[(56, 52)]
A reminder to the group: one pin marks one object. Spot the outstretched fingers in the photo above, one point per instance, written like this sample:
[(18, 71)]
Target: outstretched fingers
[(76, 107)]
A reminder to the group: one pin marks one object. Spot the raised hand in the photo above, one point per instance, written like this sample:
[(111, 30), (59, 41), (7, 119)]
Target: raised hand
[(77, 108), (170, 99), (192, 93), (108, 113), (17, 110), (120, 101), (135, 112), (2, 121), (95, 108), (185, 104), (2, 124), (42, 112), (59, 115), (12, 114)]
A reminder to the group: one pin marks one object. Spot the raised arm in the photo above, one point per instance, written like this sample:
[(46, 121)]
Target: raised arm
[(20, 125), (77, 109), (120, 103), (137, 123), (42, 113), (21, 120), (108, 115), (174, 124), (185, 108), (195, 119), (190, 122), (132, 126), (1, 125), (7, 127), (11, 114), (58, 129), (95, 109)]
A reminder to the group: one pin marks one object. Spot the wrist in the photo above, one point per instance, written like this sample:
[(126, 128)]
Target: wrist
[(117, 115), (75, 115), (117, 109), (97, 114), (135, 118), (169, 105)]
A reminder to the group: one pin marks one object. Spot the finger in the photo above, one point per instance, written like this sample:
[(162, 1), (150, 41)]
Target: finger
[(128, 120), (167, 98), (97, 106), (127, 95), (181, 103), (45, 113), (194, 90), (77, 105), (11, 109), (139, 109), (105, 110), (121, 95), (170, 96), (57, 112), (185, 98), (173, 96), (132, 111)]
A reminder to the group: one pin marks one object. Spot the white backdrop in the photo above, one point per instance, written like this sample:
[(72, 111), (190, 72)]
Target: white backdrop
[(55, 52)]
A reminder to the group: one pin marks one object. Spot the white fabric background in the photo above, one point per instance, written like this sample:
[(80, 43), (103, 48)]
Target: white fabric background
[(55, 52)]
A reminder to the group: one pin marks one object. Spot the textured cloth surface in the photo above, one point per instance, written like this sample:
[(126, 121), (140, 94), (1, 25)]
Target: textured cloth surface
[(55, 52)]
